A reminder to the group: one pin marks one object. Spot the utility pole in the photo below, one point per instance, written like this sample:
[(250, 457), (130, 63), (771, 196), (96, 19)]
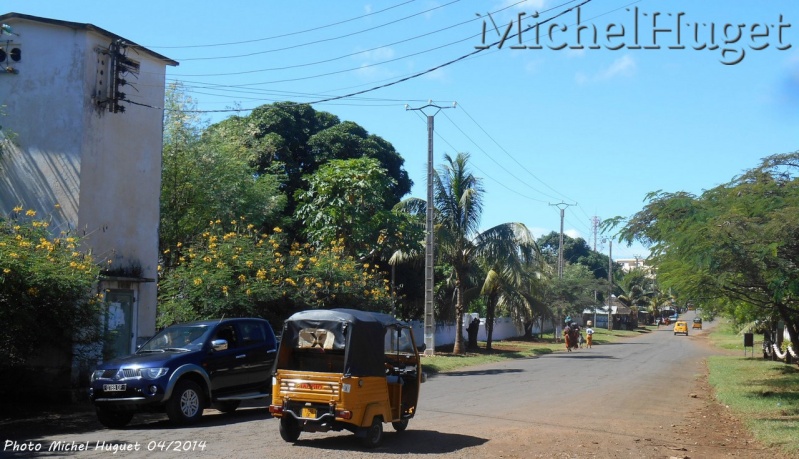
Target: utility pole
[(429, 315), (562, 206), (610, 284), (595, 225)]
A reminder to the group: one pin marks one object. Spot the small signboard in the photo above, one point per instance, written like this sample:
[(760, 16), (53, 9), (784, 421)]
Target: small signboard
[(749, 341)]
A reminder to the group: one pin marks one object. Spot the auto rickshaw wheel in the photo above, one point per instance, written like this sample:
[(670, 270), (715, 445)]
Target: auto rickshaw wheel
[(289, 429), (400, 426), (374, 434)]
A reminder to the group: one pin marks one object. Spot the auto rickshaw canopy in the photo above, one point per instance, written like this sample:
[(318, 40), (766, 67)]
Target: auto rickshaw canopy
[(360, 335)]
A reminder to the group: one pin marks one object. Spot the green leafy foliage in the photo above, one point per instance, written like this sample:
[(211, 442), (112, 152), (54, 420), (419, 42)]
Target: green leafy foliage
[(733, 249), (242, 272), (45, 289)]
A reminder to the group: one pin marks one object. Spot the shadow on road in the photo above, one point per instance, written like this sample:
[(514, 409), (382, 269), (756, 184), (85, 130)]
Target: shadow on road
[(408, 442), (80, 418), (477, 372)]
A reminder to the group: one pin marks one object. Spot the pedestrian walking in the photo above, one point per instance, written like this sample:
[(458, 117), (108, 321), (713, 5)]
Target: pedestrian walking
[(589, 336), (567, 338)]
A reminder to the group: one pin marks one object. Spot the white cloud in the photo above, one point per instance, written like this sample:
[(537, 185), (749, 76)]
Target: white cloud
[(368, 59), (525, 5), (622, 67)]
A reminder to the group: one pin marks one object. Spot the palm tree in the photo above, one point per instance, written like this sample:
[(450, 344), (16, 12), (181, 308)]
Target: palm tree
[(509, 264), (458, 201)]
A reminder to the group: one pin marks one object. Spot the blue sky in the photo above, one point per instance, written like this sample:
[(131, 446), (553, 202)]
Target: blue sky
[(596, 128)]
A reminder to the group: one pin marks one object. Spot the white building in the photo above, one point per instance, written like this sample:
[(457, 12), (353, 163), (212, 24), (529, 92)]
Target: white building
[(85, 155)]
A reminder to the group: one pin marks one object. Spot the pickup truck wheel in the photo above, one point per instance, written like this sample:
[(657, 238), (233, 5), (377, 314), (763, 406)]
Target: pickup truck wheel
[(227, 406), (400, 426), (113, 419), (374, 434), (186, 404), (289, 429)]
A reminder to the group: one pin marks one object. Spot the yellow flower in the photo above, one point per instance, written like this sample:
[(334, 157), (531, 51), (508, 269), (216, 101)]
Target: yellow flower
[(57, 206), (6, 270), (18, 209), (166, 251), (198, 281), (277, 230), (180, 244), (242, 278)]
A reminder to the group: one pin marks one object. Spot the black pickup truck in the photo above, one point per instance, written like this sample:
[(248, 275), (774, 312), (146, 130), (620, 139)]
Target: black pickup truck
[(186, 368)]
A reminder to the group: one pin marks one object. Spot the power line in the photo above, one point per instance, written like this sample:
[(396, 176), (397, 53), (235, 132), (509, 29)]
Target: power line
[(285, 34), (324, 40)]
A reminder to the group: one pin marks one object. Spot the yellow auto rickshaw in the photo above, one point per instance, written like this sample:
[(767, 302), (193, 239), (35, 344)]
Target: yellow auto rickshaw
[(344, 369), (697, 323)]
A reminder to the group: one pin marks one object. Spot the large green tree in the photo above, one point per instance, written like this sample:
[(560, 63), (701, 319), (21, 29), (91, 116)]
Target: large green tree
[(348, 200), (203, 181), (732, 249), (293, 140), (575, 250)]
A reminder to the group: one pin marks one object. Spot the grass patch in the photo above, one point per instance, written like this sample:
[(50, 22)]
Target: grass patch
[(725, 337), (444, 360), (762, 393)]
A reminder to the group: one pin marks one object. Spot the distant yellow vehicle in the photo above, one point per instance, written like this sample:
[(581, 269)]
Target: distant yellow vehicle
[(681, 326), (697, 323)]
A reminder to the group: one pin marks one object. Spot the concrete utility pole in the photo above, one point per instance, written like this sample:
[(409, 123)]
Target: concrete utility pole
[(560, 245), (429, 316), (610, 284), (595, 223)]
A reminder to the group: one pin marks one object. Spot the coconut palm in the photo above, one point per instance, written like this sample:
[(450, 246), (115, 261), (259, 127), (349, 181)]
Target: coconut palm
[(458, 196), (458, 201), (508, 286)]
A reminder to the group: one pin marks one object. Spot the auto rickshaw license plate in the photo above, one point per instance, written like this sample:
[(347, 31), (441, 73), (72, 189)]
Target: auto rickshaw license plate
[(309, 412)]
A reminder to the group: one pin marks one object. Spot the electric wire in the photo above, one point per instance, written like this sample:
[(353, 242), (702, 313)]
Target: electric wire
[(491, 158), (477, 167), (316, 42), (316, 28)]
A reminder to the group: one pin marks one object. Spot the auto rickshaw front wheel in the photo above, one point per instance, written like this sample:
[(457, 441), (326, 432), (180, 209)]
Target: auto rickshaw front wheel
[(400, 426), (289, 429), (374, 433)]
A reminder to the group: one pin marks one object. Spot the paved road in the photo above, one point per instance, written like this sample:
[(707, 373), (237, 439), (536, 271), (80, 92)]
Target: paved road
[(615, 400)]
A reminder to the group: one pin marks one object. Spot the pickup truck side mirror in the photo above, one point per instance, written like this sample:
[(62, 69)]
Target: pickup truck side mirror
[(219, 345)]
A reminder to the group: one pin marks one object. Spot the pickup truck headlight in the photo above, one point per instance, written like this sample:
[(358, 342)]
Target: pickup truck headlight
[(153, 373), (97, 374)]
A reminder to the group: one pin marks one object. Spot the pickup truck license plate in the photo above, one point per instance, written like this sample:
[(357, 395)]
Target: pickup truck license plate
[(309, 412), (114, 387)]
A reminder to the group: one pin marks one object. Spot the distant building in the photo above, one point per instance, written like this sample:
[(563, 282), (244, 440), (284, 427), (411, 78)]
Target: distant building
[(628, 264), (83, 104)]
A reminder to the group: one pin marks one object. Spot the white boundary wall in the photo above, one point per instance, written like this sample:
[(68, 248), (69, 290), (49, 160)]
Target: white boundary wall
[(504, 328)]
